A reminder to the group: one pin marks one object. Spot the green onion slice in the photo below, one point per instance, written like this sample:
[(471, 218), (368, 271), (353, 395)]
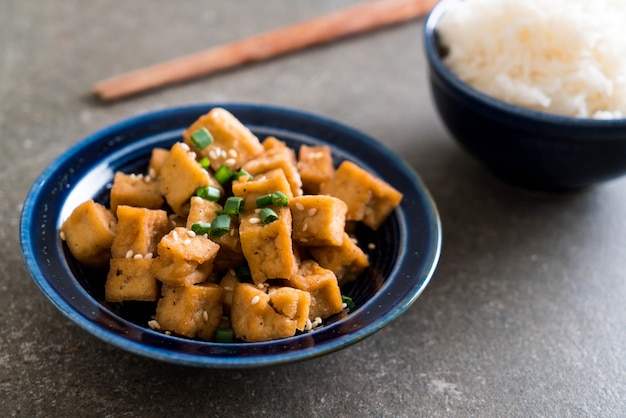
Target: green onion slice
[(223, 175), (234, 205), (220, 225), (263, 201), (267, 215), (224, 335), (348, 301), (209, 193), (205, 162), (201, 228), (243, 173), (201, 138), (276, 198)]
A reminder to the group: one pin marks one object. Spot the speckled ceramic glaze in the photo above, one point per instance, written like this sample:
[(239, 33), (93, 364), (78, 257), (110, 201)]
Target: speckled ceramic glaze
[(528, 148), (405, 256)]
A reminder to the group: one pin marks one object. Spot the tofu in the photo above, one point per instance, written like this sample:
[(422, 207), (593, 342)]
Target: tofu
[(89, 232), (191, 311), (268, 248), (139, 230), (269, 182), (135, 190), (228, 283), (233, 143), (315, 165), (323, 287), (369, 198), (131, 279), (346, 261), (158, 156), (255, 319), (279, 156), (318, 220), (184, 259), (181, 175)]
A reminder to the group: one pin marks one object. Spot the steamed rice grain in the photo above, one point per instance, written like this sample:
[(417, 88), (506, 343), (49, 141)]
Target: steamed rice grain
[(566, 57)]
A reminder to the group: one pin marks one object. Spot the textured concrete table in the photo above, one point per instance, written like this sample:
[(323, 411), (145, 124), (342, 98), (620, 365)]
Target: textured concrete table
[(526, 315)]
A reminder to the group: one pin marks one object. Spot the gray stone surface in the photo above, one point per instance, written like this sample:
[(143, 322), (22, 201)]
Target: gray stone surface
[(526, 315)]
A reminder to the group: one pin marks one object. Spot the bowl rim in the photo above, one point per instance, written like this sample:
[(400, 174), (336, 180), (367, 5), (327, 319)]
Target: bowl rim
[(437, 65), (37, 269)]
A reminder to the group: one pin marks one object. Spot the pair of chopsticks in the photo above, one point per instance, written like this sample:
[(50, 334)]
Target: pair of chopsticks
[(349, 21)]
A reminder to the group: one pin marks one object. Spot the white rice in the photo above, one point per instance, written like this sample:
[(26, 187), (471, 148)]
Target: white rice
[(566, 57)]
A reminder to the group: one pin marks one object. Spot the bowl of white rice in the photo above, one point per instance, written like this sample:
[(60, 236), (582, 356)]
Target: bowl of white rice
[(535, 90)]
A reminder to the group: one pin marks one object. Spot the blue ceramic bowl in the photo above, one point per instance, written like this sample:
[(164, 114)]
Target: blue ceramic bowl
[(402, 263), (524, 147)]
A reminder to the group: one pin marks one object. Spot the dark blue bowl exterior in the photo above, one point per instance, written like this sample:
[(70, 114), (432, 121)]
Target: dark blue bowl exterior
[(524, 147), (399, 272)]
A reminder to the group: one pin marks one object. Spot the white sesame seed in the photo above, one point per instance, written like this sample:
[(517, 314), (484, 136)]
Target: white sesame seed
[(261, 285), (254, 300), (344, 305), (212, 154), (192, 155), (184, 146), (191, 233), (303, 239), (257, 210), (129, 254), (371, 246), (152, 172), (148, 256), (133, 176), (228, 288), (138, 256), (168, 333), (154, 324), (232, 232), (311, 211), (175, 235), (299, 206), (232, 153), (205, 316), (255, 220), (147, 179), (305, 227), (223, 153), (187, 241), (62, 235), (308, 325), (230, 162)]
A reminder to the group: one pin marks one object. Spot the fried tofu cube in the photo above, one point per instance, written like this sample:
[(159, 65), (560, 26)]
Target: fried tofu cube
[(135, 190), (270, 182), (139, 230), (268, 248), (158, 156), (184, 258), (318, 220), (191, 311), (315, 165), (181, 175), (131, 279), (233, 143), (228, 283), (346, 261), (323, 287), (369, 198), (294, 303), (230, 254), (89, 232), (254, 317), (277, 157)]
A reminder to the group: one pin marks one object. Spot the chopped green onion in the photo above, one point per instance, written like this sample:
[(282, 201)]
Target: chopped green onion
[(220, 225), (280, 199), (267, 215), (209, 193), (201, 138), (263, 201), (205, 162), (243, 273), (348, 301), (201, 228), (224, 335), (234, 205), (223, 175), (243, 173)]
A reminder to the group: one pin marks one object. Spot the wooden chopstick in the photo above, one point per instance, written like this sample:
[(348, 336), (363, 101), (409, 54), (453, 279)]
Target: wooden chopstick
[(349, 21)]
